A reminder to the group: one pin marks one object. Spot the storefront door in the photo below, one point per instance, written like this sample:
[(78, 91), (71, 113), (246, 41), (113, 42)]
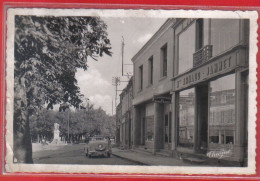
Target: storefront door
[(167, 131), (202, 118), (143, 132)]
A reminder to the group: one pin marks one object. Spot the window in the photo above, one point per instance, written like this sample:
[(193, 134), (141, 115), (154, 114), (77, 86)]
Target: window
[(199, 31), (186, 118), (186, 48), (224, 34), (150, 61), (164, 60), (149, 128), (189, 41), (141, 77), (222, 110)]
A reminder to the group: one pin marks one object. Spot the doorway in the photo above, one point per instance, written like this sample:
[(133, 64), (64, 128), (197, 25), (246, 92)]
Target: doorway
[(143, 131), (202, 92), (167, 130)]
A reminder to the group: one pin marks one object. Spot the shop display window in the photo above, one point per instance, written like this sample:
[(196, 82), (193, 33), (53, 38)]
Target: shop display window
[(186, 118), (222, 110), (149, 128)]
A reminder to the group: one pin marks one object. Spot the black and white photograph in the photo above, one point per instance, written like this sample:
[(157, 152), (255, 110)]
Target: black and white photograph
[(130, 89)]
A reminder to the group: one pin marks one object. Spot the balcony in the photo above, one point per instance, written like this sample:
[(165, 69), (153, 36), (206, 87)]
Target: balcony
[(202, 55)]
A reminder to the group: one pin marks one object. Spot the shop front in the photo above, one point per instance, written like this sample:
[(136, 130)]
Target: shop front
[(209, 97), (211, 108), (153, 124)]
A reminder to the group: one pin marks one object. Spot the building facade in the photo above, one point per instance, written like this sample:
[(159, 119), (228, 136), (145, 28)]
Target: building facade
[(153, 70), (126, 115), (118, 123), (190, 89)]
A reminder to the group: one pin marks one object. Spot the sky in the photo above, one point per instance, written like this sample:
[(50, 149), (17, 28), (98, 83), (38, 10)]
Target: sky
[(96, 82)]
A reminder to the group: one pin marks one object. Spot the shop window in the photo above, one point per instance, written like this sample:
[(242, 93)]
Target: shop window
[(230, 139), (186, 118), (222, 110), (149, 128), (164, 60), (214, 139), (224, 34), (186, 48)]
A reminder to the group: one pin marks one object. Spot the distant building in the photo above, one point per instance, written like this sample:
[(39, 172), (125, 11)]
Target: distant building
[(125, 116), (118, 123)]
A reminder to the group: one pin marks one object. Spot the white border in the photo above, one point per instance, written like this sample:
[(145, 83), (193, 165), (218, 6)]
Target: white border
[(11, 167)]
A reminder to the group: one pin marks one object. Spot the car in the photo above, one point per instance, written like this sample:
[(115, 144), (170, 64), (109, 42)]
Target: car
[(98, 146)]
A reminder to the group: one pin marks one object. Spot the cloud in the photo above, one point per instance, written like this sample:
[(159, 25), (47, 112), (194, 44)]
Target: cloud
[(103, 101), (96, 88), (144, 38), (92, 82), (91, 77)]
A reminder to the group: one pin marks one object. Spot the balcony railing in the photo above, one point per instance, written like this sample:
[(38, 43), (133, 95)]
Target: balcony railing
[(202, 55)]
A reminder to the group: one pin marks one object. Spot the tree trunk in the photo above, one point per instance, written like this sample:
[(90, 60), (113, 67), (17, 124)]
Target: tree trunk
[(22, 136)]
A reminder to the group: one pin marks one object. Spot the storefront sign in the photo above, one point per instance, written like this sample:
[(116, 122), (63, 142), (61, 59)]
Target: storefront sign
[(162, 100), (219, 66)]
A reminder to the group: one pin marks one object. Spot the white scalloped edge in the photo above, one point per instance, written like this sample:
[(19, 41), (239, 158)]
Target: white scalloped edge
[(50, 168)]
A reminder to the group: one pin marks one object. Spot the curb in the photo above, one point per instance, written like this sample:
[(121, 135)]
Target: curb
[(129, 159)]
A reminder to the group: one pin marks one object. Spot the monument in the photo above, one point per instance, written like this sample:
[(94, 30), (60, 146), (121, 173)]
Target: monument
[(56, 134)]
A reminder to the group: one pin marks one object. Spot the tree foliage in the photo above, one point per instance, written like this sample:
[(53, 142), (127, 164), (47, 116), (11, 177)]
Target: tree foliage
[(48, 51), (88, 122)]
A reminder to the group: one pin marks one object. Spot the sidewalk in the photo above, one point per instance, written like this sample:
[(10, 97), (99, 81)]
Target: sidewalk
[(148, 158)]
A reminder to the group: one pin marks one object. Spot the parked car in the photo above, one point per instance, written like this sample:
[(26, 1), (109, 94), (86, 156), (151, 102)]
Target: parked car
[(98, 146)]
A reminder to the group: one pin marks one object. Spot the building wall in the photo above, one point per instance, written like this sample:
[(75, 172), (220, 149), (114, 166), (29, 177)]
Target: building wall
[(153, 49), (118, 123), (126, 115)]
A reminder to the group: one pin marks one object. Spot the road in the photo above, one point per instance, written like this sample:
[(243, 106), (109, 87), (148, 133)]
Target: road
[(74, 154)]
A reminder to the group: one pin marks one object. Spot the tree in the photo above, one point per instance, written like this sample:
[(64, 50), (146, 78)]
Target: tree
[(48, 51)]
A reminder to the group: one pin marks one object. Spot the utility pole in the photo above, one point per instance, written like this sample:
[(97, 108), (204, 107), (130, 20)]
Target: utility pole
[(112, 108), (116, 82), (123, 44), (128, 74)]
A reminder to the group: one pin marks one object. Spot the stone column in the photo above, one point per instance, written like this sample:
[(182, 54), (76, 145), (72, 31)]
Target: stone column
[(158, 127), (136, 126), (196, 130), (241, 118), (174, 128)]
